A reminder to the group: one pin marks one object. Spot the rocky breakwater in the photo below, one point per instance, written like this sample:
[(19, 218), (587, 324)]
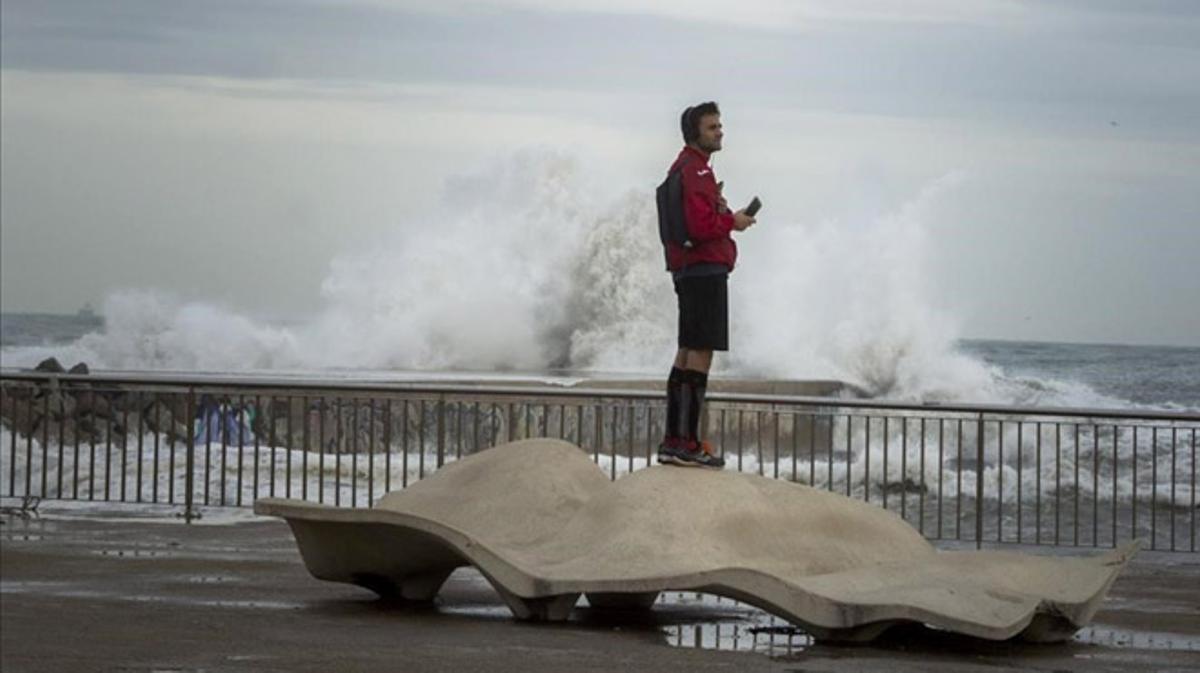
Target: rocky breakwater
[(78, 411), (74, 410)]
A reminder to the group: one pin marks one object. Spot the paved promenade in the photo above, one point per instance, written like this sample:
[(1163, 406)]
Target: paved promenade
[(84, 593)]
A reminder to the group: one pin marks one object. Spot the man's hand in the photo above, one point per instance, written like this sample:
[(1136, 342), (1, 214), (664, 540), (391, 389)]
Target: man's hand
[(742, 221)]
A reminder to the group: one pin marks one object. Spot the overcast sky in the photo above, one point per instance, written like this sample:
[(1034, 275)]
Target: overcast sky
[(229, 151)]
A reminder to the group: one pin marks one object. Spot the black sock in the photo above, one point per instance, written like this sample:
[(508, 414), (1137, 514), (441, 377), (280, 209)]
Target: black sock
[(674, 387), (696, 383)]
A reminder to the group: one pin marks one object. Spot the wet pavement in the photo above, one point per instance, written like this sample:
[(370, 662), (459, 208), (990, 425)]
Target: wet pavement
[(90, 593)]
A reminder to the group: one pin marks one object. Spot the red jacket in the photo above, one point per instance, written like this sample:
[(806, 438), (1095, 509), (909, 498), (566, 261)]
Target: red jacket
[(708, 226)]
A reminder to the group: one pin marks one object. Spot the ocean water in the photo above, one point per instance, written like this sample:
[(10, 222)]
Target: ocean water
[(529, 274), (1119, 376), (1166, 377)]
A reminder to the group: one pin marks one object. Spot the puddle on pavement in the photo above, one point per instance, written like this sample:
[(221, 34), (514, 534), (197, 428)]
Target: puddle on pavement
[(212, 579), (26, 586), (704, 621), (685, 619), (133, 553), (486, 611), (249, 657), (724, 624), (208, 603), (241, 605), (32, 529), (709, 622), (1108, 636), (61, 590)]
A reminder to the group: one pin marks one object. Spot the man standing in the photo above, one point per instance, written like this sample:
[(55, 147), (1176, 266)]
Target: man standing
[(700, 268)]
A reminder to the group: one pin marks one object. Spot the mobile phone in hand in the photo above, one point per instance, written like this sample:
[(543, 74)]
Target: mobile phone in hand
[(752, 209)]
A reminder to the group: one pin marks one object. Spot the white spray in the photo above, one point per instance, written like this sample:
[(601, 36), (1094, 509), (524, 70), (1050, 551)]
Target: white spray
[(524, 273)]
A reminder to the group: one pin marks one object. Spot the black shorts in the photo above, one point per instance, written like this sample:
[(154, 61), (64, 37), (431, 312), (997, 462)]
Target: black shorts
[(703, 312)]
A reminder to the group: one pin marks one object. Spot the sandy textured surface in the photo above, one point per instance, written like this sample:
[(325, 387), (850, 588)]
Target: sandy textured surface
[(544, 525)]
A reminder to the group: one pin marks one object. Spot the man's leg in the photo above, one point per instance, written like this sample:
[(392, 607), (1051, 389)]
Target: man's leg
[(703, 321), (673, 433), (680, 394), (697, 360), (695, 378)]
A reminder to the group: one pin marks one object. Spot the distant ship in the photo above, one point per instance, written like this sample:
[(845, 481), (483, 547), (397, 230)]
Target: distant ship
[(87, 314)]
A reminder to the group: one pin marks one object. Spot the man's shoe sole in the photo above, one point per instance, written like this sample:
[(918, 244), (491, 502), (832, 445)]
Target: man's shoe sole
[(679, 462), (683, 462)]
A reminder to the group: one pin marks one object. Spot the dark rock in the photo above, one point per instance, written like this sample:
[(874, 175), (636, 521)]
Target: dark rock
[(60, 405), (177, 403), (8, 407), (159, 418), (94, 403), (79, 368), (50, 365), (22, 417), (88, 428), (908, 486), (126, 400)]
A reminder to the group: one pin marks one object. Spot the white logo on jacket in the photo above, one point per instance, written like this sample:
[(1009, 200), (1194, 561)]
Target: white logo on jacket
[(702, 173)]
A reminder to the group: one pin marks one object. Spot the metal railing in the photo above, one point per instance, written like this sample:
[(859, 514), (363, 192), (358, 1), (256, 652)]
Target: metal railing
[(976, 473)]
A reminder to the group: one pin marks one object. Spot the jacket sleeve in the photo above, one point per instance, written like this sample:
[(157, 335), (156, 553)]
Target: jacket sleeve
[(704, 221)]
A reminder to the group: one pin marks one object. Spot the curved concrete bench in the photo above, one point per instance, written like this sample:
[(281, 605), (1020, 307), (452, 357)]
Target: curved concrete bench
[(543, 524)]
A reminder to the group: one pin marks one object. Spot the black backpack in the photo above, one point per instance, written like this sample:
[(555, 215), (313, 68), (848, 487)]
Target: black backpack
[(672, 225)]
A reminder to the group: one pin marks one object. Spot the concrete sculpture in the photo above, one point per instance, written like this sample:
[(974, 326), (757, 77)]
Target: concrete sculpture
[(544, 525)]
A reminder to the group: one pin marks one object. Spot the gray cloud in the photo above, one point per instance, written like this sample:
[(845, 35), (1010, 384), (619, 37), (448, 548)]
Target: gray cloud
[(1053, 62)]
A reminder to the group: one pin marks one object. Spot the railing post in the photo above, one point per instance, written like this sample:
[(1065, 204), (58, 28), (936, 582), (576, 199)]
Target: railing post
[(979, 482), (441, 430), (511, 431), (189, 476)]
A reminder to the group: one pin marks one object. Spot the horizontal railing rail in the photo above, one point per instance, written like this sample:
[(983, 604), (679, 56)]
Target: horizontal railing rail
[(535, 390), (973, 472)]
